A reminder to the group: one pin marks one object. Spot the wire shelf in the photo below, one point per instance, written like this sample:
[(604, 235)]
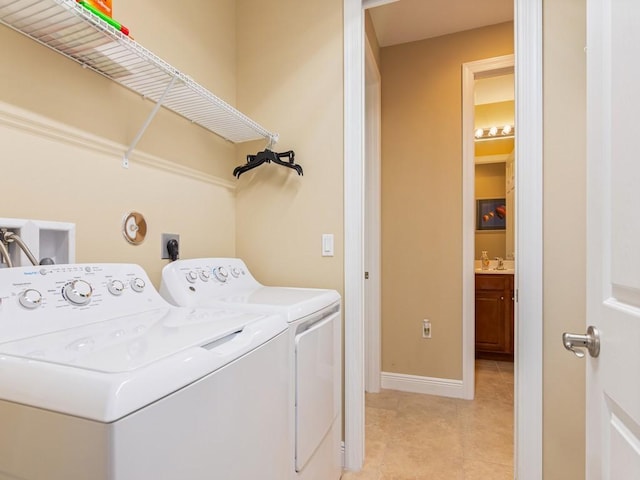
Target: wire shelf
[(70, 29)]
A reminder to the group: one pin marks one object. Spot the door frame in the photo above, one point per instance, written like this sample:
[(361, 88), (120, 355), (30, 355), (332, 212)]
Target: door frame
[(528, 307), (528, 232), (354, 331), (373, 195)]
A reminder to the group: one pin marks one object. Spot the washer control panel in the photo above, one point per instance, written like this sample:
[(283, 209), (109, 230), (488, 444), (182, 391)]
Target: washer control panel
[(42, 299), (215, 270), (192, 278)]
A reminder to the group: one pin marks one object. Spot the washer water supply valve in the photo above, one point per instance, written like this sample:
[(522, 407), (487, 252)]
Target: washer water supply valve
[(7, 237)]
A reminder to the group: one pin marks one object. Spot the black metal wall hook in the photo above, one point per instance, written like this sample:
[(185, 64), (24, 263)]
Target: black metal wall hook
[(268, 156)]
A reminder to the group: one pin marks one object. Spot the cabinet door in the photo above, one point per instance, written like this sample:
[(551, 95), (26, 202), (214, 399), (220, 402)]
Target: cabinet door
[(491, 331)]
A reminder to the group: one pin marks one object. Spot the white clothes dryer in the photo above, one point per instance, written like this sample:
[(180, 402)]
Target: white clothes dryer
[(315, 350), (102, 379)]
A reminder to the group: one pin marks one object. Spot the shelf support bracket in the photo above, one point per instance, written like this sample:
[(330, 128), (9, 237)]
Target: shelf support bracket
[(125, 159)]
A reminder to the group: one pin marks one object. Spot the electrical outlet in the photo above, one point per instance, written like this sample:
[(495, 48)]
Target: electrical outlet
[(426, 328), (164, 253)]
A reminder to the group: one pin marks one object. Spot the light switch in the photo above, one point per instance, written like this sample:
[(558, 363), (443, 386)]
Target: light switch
[(327, 244)]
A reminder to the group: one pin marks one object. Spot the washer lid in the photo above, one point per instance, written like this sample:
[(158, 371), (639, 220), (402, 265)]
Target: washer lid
[(106, 370), (294, 302), (130, 342)]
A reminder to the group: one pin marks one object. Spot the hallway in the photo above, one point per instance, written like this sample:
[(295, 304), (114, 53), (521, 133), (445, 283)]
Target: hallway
[(424, 437)]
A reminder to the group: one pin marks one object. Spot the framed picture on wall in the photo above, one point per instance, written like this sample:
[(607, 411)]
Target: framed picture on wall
[(491, 214)]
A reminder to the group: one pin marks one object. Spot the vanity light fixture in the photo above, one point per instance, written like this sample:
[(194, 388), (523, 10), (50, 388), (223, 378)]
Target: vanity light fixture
[(494, 133)]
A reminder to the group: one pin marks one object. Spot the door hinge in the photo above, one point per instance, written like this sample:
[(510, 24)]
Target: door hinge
[(366, 275)]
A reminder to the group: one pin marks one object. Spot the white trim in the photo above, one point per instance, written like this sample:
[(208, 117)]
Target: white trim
[(354, 234), (468, 227), (529, 203), (26, 121), (471, 71), (372, 221), (427, 385)]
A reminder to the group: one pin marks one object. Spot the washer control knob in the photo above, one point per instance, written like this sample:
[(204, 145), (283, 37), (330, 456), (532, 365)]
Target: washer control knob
[(221, 274), (30, 299), (137, 284), (77, 292), (192, 277), (235, 271), (205, 275), (115, 287)]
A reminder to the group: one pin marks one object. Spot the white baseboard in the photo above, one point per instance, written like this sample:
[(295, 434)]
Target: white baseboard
[(442, 387)]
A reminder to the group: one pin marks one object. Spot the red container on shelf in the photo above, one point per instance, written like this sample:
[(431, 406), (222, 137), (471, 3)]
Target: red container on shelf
[(102, 5)]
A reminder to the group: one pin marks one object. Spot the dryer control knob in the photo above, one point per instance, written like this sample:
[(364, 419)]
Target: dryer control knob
[(205, 275), (221, 274), (115, 287), (137, 284), (30, 299), (77, 292), (235, 271), (192, 277)]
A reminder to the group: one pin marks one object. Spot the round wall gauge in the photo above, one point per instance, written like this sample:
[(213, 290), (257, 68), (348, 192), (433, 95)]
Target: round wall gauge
[(134, 228)]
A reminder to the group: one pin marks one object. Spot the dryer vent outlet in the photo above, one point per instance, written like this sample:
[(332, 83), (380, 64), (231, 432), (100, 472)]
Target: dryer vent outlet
[(169, 244)]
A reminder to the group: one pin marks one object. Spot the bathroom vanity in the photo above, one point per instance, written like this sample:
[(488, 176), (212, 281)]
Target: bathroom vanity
[(494, 315)]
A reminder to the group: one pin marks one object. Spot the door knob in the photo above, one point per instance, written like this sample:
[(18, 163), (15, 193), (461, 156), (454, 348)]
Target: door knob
[(590, 341)]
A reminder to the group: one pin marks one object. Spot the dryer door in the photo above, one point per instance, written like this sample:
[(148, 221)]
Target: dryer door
[(318, 360)]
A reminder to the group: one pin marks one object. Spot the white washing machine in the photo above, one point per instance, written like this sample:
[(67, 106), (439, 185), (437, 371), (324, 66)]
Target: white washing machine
[(315, 354), (102, 379)]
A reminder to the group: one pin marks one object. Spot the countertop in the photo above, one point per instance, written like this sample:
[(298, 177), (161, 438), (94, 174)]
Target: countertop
[(509, 268)]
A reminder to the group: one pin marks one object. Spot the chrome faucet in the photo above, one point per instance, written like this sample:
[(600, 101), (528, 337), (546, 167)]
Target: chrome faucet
[(7, 237), (500, 263)]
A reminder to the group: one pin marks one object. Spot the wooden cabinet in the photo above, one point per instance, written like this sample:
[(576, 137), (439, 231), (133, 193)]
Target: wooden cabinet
[(494, 316)]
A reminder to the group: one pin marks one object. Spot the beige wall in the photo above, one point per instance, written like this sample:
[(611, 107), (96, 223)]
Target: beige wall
[(421, 197), (490, 182), (54, 179), (290, 79), (498, 114), (564, 236)]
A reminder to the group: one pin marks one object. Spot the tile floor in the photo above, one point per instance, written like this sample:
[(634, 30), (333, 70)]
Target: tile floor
[(422, 437)]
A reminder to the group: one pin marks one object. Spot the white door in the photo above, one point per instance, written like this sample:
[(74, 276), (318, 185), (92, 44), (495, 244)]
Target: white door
[(613, 238)]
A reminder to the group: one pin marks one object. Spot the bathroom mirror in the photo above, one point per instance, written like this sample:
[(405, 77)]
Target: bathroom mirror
[(494, 162)]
